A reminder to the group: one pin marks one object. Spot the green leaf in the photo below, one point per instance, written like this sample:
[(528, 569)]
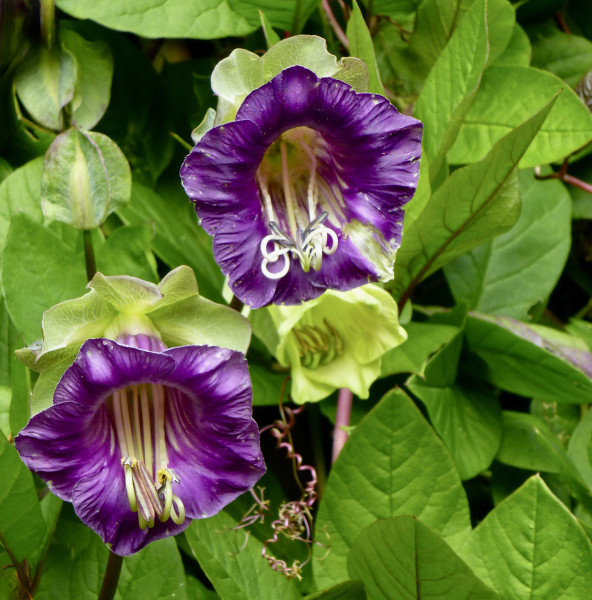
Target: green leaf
[(33, 274), (267, 386), (495, 111), (423, 339), (127, 252), (529, 366), (361, 46), (393, 464), (45, 83), (442, 368), (21, 523), (154, 573), (201, 20), (20, 192), (437, 20), (236, 570), (75, 563), (178, 238), (580, 448), (531, 546), (403, 559), (442, 106), (93, 76), (568, 56), (471, 206), (271, 37), (518, 50), (348, 590), (528, 443), (520, 268), (468, 420)]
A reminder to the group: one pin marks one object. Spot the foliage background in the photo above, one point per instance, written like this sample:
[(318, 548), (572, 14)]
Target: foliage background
[(468, 473)]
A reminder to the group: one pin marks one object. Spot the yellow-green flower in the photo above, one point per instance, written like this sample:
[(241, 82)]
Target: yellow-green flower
[(334, 341)]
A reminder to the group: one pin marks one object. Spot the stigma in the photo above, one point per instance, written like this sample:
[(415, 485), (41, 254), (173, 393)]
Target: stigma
[(138, 413)]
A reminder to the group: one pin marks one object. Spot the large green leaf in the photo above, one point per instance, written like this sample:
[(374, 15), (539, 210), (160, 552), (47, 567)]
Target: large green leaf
[(234, 564), (530, 547), (496, 111), (20, 192), (521, 361), (21, 523), (393, 464), (471, 206), (75, 562), (520, 268), (467, 419), (206, 19), (437, 20), (442, 106), (403, 559), (360, 45), (423, 339), (566, 55), (33, 274), (154, 573), (528, 443)]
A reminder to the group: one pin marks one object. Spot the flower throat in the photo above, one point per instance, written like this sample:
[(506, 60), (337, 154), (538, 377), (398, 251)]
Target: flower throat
[(138, 413), (297, 201)]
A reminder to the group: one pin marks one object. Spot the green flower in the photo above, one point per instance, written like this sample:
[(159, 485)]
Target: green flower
[(335, 341), (172, 312)]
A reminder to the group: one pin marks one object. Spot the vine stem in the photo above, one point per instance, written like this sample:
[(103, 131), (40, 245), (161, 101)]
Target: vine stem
[(89, 254), (335, 25), (111, 578), (340, 435)]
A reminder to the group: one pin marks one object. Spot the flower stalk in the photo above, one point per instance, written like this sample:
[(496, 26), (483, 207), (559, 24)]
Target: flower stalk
[(111, 577)]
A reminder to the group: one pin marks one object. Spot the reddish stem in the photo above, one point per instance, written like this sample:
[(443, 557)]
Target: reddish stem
[(342, 419), (335, 25)]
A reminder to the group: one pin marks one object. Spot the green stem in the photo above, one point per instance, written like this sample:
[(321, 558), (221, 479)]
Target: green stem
[(89, 255), (47, 18), (111, 578)]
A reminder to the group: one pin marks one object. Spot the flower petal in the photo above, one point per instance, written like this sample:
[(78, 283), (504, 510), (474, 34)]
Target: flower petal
[(103, 366), (369, 158)]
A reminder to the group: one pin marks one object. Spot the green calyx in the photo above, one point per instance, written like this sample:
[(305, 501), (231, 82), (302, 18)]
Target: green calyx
[(335, 341), (235, 77), (172, 311)]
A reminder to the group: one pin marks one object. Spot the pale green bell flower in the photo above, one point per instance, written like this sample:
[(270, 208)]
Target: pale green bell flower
[(335, 341)]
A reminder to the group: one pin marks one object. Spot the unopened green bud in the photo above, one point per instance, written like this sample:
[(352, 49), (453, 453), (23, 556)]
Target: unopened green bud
[(85, 178)]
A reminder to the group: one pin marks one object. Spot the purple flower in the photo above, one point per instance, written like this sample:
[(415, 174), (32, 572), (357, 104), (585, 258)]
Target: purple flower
[(142, 439), (304, 191)]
